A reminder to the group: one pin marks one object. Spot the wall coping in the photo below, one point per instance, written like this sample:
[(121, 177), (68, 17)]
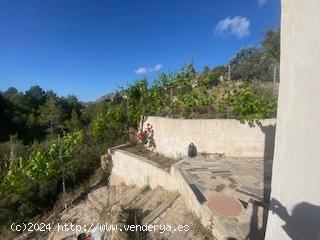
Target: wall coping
[(143, 159), (213, 119)]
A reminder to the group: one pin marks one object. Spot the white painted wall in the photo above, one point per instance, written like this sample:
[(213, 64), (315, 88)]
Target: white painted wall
[(296, 166), (235, 139), (135, 170)]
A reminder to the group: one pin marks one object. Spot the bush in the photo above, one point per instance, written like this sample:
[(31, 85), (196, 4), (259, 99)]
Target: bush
[(110, 125), (244, 103), (32, 185)]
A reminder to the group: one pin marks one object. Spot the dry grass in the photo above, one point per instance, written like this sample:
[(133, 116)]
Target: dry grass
[(201, 231)]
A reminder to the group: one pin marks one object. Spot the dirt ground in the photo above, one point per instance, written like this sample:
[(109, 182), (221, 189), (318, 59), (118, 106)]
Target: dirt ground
[(119, 212)]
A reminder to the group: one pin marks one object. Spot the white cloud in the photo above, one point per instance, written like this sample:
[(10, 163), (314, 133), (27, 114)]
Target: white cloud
[(262, 2), (140, 70), (156, 67), (239, 26), (144, 70)]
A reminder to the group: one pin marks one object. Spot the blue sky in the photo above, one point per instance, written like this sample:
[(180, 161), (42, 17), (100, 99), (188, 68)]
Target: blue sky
[(90, 47)]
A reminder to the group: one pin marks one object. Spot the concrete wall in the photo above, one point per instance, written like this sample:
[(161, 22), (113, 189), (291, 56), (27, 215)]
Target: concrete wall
[(235, 139), (295, 204), (131, 169), (136, 170)]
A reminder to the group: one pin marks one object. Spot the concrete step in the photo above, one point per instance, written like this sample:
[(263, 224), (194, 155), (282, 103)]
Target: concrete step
[(129, 195), (145, 197), (160, 209)]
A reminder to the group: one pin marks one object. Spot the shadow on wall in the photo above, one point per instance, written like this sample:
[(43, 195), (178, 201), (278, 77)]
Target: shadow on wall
[(256, 232), (269, 140), (303, 223), (270, 134)]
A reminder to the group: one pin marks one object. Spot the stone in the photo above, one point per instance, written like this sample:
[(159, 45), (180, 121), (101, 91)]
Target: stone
[(225, 205), (192, 150), (200, 197)]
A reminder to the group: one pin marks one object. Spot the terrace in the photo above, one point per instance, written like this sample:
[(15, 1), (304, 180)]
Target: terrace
[(236, 191)]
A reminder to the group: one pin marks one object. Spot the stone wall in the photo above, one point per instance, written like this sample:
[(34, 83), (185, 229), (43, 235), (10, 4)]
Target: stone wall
[(225, 136)]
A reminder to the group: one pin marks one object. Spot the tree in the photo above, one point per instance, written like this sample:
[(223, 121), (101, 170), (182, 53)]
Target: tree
[(271, 44), (165, 80), (136, 95), (10, 92), (51, 115), (74, 123), (183, 79), (91, 110), (35, 130), (16, 99), (70, 104), (4, 131), (16, 112), (256, 63), (110, 124), (250, 64), (212, 77), (35, 97)]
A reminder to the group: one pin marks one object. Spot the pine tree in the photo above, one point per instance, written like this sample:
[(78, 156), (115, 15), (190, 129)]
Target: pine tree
[(51, 115)]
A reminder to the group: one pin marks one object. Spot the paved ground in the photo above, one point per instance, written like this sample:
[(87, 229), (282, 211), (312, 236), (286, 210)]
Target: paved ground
[(235, 189)]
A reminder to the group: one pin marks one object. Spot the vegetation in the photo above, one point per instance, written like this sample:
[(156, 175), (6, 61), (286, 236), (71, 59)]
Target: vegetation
[(30, 162), (35, 114), (255, 63), (201, 231), (187, 94), (162, 161), (243, 102), (30, 165)]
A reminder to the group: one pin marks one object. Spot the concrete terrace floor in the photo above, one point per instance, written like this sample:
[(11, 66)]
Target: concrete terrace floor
[(236, 190)]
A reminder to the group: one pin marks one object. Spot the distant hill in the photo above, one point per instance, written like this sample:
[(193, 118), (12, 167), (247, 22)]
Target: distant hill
[(108, 96), (114, 96)]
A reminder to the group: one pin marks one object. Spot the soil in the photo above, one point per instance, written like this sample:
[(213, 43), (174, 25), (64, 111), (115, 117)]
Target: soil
[(163, 161)]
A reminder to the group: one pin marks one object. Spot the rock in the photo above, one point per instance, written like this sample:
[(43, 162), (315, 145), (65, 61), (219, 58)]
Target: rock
[(192, 150)]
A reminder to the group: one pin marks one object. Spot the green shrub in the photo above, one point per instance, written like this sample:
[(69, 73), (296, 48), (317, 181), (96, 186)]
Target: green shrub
[(244, 103), (110, 124), (32, 185)]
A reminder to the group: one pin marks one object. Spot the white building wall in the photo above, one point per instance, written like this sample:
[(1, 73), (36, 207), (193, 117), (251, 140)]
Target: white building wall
[(295, 204)]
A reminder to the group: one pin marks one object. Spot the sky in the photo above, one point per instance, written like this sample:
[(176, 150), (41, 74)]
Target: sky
[(89, 48)]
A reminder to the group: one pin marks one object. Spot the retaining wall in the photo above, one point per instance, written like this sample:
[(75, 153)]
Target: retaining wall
[(136, 170), (132, 169), (226, 136)]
